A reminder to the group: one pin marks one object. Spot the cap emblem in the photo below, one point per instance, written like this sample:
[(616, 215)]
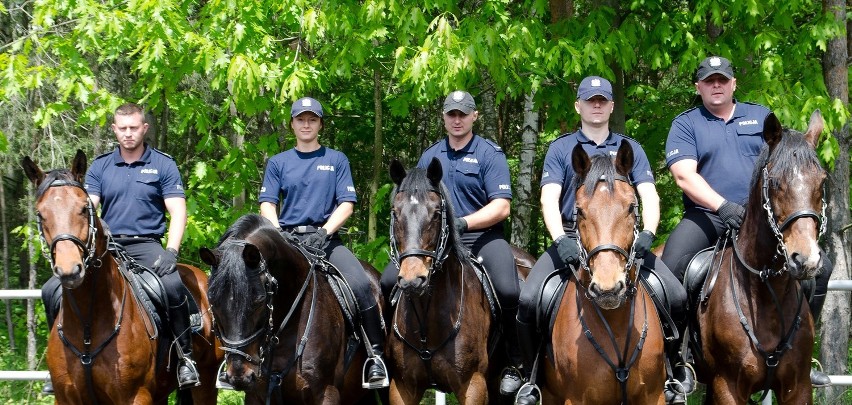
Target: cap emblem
[(715, 62), (458, 95), (596, 83), (306, 102)]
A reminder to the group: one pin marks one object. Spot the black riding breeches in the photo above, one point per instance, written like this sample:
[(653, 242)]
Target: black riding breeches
[(697, 231)]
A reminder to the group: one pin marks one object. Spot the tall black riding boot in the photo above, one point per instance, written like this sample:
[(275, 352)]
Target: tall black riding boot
[(51, 297), (683, 383), (187, 374), (529, 341), (377, 374), (512, 378)]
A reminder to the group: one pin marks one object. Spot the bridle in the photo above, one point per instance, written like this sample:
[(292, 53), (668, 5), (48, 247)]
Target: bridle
[(439, 254), (88, 247), (585, 256)]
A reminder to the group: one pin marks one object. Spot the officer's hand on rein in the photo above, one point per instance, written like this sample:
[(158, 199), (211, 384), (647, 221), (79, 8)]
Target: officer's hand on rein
[(731, 214), (317, 240), (166, 263), (643, 243), (568, 250)]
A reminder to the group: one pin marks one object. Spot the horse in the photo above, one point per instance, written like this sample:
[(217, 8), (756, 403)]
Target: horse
[(758, 276), (443, 334), (286, 338), (103, 348), (606, 340)]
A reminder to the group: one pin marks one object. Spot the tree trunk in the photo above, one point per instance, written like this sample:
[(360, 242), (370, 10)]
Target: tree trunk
[(834, 335), (377, 154), (522, 213), (4, 228), (32, 349), (618, 119)]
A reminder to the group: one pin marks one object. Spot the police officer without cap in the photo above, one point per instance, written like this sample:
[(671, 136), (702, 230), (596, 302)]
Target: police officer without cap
[(708, 150), (136, 185), (594, 105), (476, 174), (317, 196)]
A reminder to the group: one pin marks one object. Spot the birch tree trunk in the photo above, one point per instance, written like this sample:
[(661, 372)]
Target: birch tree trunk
[(377, 154), (4, 228), (522, 213)]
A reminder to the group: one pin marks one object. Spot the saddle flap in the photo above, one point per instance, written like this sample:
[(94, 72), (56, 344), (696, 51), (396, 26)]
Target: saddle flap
[(695, 274)]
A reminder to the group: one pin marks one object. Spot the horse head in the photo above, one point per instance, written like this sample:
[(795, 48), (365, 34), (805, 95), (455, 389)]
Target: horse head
[(790, 180), (607, 223), (241, 291), (66, 219), (421, 224)]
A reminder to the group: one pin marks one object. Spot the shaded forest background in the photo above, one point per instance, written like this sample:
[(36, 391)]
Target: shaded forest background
[(219, 76)]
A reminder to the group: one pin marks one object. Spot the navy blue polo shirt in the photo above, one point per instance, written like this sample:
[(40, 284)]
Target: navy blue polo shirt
[(474, 175), (559, 170), (132, 194), (725, 151), (310, 185)]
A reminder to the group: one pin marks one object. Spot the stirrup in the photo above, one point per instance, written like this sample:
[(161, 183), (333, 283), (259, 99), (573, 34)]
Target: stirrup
[(689, 367), (222, 385), (191, 382), (384, 383), (528, 389)]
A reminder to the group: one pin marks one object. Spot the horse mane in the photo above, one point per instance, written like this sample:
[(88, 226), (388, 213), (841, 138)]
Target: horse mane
[(50, 177), (791, 154), (601, 169), (231, 275), (417, 185)]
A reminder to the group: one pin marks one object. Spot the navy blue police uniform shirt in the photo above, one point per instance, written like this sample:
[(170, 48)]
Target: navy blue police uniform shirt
[(474, 175), (724, 151), (307, 187), (133, 194), (559, 170)]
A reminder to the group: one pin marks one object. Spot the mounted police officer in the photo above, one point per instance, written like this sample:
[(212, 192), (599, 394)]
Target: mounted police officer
[(312, 185), (476, 174), (709, 150), (594, 104), (136, 185)]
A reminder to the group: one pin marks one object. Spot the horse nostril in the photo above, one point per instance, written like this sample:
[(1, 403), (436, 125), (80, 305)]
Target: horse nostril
[(619, 287), (594, 289)]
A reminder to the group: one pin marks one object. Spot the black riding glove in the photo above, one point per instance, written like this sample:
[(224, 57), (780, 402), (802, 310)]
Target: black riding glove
[(731, 214), (460, 224), (643, 243), (166, 263), (317, 240), (568, 249)]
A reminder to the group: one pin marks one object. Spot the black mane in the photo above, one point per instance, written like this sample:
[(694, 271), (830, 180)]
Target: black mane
[(791, 154), (416, 184), (602, 169)]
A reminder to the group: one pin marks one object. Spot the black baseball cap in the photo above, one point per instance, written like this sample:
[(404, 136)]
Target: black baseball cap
[(713, 65)]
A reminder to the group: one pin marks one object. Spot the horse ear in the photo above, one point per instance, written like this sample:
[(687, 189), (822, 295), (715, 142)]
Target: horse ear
[(397, 172), (624, 159), (435, 172), (251, 255), (815, 127), (32, 171), (78, 167), (772, 130), (208, 256), (580, 161)]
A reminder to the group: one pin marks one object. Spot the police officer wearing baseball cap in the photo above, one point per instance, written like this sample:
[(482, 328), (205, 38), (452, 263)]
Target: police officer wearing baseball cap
[(594, 104), (312, 185), (476, 174), (715, 191)]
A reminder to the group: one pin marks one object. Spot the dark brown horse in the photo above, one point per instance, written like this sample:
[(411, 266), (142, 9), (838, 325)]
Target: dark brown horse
[(102, 348), (442, 333), (756, 332), (607, 340), (279, 321)]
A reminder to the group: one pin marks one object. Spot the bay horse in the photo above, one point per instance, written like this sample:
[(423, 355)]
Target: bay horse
[(755, 331), (443, 335), (607, 340), (285, 336), (102, 348)]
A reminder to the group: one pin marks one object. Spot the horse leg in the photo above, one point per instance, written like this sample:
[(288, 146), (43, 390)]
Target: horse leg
[(801, 392), (403, 395), (475, 392), (206, 393), (329, 396), (724, 391)]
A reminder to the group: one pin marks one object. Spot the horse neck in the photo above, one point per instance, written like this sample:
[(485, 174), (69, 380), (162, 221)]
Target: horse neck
[(756, 240), (102, 280), (290, 268)]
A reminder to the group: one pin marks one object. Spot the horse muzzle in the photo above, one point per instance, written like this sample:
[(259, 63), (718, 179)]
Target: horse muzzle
[(608, 299), (802, 267), (71, 279)]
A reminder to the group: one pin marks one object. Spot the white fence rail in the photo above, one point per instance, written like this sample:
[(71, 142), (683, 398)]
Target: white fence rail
[(833, 285)]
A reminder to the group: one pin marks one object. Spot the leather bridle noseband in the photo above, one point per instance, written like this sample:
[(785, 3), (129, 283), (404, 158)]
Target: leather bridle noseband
[(88, 247), (439, 254)]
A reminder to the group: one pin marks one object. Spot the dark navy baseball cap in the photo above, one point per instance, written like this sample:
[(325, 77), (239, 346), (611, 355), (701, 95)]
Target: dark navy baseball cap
[(713, 65), (594, 86), (459, 100), (306, 104)]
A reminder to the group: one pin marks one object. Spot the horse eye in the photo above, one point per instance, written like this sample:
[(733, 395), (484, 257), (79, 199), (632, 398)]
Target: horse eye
[(580, 212)]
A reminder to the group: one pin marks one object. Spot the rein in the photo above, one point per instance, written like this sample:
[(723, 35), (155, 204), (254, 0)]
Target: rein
[(88, 247)]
